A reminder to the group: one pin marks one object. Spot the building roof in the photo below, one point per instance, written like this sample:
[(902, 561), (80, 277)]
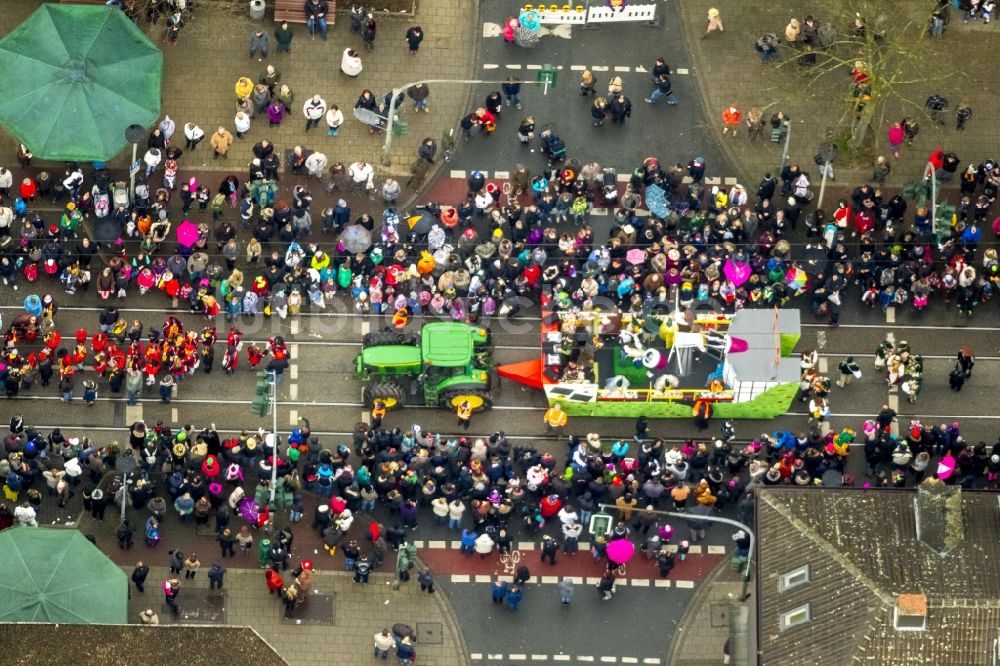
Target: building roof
[(862, 551), (30, 644)]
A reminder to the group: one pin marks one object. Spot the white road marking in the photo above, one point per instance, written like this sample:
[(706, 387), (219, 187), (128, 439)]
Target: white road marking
[(483, 579), (533, 66), (661, 583), (624, 177), (593, 580), (651, 660), (492, 29), (476, 656), (456, 544), (293, 350), (293, 372), (460, 578), (713, 180), (685, 584), (293, 390), (295, 326), (729, 180), (173, 414), (823, 366), (418, 544), (640, 582), (491, 66), (525, 545), (513, 66), (694, 550), (458, 173), (550, 580), (584, 658), (630, 660), (640, 69), (539, 657), (681, 70), (716, 550), (609, 660), (517, 656), (293, 417), (437, 544), (577, 68), (619, 68), (501, 174), (890, 315), (366, 327), (561, 657), (599, 68)]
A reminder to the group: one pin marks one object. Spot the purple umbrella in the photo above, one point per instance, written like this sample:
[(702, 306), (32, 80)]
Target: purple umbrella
[(187, 233), (736, 272), (620, 551), (249, 510)]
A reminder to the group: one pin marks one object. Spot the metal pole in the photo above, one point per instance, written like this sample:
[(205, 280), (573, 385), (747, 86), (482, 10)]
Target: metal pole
[(822, 185), (131, 175), (274, 434), (929, 172), (744, 594), (784, 152)]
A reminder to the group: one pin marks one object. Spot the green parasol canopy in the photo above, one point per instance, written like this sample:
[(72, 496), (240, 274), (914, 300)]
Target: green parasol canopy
[(56, 575), (73, 77)]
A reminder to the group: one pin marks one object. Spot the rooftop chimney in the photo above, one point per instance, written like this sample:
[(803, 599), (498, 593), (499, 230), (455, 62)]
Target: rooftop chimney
[(939, 518), (910, 613)]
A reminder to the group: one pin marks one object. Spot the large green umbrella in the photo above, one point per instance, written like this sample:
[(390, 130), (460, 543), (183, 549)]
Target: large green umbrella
[(73, 77), (56, 575)]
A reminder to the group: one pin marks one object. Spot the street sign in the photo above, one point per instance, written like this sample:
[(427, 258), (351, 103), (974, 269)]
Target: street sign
[(134, 169)]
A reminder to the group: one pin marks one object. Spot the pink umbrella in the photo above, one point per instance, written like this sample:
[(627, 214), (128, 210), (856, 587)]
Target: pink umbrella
[(946, 467), (635, 256), (187, 233), (620, 551), (736, 272), (249, 510)]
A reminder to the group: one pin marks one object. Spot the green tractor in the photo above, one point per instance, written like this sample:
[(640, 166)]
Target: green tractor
[(449, 362)]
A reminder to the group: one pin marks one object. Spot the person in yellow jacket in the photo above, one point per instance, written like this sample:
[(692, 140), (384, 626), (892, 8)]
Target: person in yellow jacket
[(378, 413), (555, 419), (464, 413)]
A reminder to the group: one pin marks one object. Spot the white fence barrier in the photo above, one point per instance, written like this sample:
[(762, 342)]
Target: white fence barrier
[(571, 17), (629, 13)]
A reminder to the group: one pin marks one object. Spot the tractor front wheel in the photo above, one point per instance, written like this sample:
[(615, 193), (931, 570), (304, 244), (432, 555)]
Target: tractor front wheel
[(478, 400), (391, 395)]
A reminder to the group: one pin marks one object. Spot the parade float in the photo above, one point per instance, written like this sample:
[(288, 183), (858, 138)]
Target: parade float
[(659, 364)]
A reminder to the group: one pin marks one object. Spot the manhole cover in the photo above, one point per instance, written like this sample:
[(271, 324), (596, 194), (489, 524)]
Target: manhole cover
[(720, 615), (199, 607), (429, 633), (206, 530), (317, 609), (438, 43)]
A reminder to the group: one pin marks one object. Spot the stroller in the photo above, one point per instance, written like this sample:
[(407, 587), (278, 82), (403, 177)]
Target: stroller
[(553, 147), (119, 194), (609, 184)]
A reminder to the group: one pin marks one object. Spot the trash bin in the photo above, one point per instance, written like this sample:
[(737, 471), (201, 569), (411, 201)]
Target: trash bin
[(257, 9)]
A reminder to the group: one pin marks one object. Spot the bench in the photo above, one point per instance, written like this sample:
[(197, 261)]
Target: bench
[(294, 11)]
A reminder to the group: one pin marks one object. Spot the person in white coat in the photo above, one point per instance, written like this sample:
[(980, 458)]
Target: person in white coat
[(25, 515), (242, 122), (350, 62), (193, 135), (316, 164), (334, 119)]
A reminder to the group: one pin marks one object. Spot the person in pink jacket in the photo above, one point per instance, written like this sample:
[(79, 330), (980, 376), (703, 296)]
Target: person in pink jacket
[(895, 138)]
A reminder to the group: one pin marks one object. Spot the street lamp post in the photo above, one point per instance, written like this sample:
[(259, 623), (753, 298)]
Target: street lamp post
[(133, 134), (744, 593), (931, 173), (274, 434)]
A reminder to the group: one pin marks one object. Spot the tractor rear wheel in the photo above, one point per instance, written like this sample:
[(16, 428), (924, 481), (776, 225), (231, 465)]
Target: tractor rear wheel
[(391, 395), (478, 399), (379, 338)]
